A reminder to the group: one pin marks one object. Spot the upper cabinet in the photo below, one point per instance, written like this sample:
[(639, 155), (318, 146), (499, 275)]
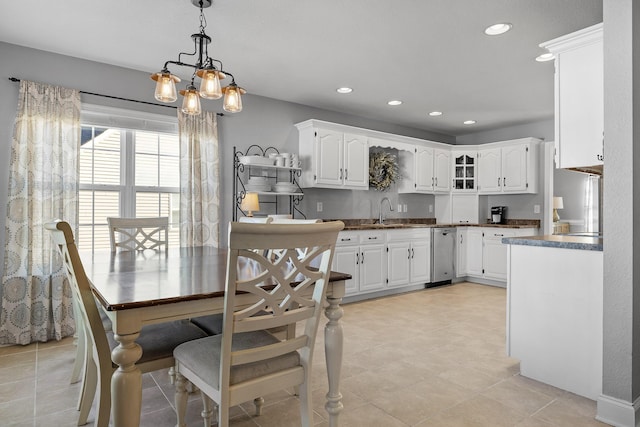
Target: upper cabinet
[(332, 158), (464, 164), (425, 170), (579, 98), (508, 167)]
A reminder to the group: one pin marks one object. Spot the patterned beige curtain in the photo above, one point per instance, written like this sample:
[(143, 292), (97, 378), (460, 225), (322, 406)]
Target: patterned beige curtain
[(36, 299), (199, 179)]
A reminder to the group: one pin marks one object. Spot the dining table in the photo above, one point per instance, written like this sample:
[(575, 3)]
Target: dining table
[(138, 288)]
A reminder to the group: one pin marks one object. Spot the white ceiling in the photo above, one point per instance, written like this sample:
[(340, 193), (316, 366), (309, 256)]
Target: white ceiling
[(431, 54)]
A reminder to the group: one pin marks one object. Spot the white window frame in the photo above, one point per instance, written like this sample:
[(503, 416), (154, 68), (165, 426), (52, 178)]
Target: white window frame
[(129, 121)]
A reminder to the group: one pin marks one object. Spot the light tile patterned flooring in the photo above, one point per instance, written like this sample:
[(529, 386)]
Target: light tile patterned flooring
[(427, 358)]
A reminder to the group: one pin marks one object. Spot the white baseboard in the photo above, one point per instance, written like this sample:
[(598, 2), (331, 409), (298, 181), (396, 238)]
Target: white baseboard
[(618, 412)]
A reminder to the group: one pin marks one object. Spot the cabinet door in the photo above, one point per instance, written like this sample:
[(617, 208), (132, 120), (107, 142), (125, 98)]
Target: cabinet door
[(463, 171), (489, 173), (372, 267), (461, 252), (398, 265), (420, 262), (494, 254), (441, 166), (464, 209), (329, 157), (474, 251), (356, 161), (514, 168), (424, 178), (346, 260), (580, 106)]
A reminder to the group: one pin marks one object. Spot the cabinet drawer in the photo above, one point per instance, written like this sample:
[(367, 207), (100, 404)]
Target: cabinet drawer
[(348, 238)]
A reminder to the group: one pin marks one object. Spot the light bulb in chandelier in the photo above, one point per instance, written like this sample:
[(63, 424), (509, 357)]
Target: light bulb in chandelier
[(210, 84), (191, 101), (165, 86), (233, 98)]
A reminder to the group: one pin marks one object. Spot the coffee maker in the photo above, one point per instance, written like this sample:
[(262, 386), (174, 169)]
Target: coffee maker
[(498, 215)]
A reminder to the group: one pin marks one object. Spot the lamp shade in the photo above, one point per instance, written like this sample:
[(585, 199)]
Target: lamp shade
[(250, 203), (558, 203)]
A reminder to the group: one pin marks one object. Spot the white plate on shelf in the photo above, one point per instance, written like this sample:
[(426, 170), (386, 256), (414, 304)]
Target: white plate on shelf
[(285, 189), (256, 160), (252, 187)]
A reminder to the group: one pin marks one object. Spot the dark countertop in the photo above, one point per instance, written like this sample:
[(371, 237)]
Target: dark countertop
[(393, 223), (558, 241)]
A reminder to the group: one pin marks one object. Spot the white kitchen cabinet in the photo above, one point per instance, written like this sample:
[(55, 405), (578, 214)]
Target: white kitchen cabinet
[(363, 255), (408, 257), (508, 167), (481, 253), (425, 170), (579, 97), (463, 170), (332, 158)]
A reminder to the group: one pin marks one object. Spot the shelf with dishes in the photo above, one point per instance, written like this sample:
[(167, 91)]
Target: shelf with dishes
[(267, 172)]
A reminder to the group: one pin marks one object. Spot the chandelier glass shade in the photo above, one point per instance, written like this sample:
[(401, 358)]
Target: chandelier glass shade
[(208, 69)]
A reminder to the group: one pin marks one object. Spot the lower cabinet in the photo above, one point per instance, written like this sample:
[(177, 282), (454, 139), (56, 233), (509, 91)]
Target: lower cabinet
[(383, 259), (362, 254), (481, 253), (408, 257)]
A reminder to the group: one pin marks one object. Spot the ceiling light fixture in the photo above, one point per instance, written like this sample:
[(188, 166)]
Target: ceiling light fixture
[(497, 29), (545, 57), (394, 102), (344, 90), (469, 122), (205, 69), (435, 113)]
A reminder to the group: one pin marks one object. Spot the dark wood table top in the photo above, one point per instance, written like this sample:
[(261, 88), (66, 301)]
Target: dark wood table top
[(133, 279)]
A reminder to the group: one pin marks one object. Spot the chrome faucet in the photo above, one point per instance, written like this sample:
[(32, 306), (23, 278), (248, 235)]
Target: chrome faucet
[(381, 218)]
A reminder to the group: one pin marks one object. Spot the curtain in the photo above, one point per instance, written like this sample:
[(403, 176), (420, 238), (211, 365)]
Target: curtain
[(199, 179), (43, 178)]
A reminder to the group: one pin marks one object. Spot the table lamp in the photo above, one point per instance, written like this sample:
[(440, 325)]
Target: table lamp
[(557, 204), (250, 204)]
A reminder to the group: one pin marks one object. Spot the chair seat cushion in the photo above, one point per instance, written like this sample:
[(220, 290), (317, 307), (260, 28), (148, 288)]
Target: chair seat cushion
[(158, 341), (203, 357), (211, 324)]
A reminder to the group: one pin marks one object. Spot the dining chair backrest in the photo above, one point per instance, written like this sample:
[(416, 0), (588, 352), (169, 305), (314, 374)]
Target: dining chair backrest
[(295, 221), (138, 234), (256, 219), (298, 291)]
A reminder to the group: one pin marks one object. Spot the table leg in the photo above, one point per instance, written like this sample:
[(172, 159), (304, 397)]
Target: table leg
[(333, 352), (126, 382)]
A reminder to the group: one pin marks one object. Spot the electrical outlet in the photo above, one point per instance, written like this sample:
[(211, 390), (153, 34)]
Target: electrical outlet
[(404, 207), (399, 208), (536, 208), (319, 207), (430, 208)]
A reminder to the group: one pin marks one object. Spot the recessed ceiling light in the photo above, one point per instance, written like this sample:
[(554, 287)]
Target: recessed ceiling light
[(344, 90), (469, 122), (435, 113), (394, 102), (497, 29), (545, 57)]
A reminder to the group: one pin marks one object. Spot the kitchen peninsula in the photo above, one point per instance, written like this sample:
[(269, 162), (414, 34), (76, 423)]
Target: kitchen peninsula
[(554, 310)]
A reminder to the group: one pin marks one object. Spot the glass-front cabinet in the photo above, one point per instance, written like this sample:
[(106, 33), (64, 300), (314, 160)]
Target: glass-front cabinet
[(464, 170)]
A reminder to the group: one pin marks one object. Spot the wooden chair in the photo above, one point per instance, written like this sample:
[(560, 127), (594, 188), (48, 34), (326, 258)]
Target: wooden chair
[(256, 219), (157, 341), (138, 234), (246, 361)]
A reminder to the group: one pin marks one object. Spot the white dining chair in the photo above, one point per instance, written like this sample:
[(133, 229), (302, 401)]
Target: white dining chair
[(138, 234), (246, 361), (256, 219), (157, 341)]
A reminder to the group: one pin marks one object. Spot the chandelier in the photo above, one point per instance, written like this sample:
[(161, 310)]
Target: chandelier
[(208, 69)]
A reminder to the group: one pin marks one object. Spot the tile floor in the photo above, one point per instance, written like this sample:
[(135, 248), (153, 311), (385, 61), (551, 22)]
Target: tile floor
[(427, 358)]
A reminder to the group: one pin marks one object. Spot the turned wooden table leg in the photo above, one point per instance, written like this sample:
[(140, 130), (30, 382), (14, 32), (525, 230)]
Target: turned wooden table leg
[(126, 382), (333, 351)]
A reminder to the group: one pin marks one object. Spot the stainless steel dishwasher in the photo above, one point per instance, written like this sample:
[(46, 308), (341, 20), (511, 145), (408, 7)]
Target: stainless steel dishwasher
[(442, 252)]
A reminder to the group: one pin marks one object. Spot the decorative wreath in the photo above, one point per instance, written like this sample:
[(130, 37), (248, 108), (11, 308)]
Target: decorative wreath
[(383, 170)]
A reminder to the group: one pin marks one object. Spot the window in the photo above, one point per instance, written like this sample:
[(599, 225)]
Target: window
[(129, 167)]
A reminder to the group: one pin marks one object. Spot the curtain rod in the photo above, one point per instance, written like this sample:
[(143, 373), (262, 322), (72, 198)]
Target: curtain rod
[(15, 79)]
